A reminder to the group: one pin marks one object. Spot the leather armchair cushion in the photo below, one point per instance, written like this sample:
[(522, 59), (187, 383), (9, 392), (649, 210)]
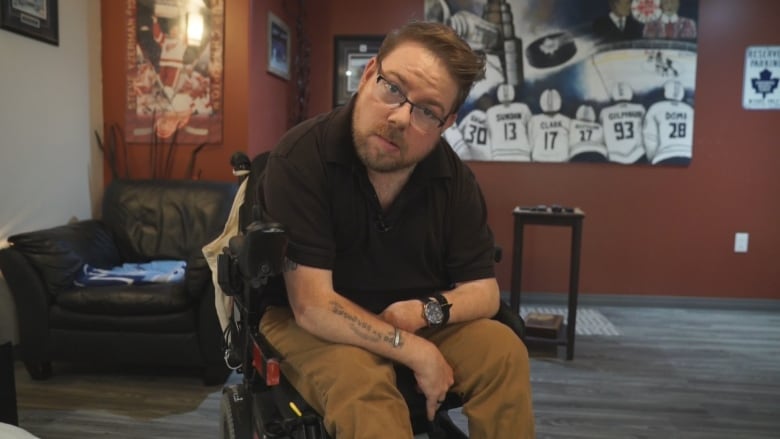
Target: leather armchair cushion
[(178, 322), (126, 300), (59, 253)]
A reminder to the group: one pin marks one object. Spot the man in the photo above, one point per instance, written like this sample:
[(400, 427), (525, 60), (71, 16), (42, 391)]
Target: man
[(619, 24), (391, 254), (669, 24), (173, 45)]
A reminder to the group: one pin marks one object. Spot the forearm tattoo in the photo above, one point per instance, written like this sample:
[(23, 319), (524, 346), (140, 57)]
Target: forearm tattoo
[(364, 330)]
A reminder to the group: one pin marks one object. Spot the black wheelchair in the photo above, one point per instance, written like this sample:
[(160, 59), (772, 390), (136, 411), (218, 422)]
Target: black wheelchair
[(264, 404)]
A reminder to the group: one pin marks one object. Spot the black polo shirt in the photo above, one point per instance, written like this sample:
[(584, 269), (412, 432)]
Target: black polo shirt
[(433, 235)]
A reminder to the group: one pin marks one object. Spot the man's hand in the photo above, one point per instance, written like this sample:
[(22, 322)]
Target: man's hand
[(406, 315), (433, 374), (434, 377)]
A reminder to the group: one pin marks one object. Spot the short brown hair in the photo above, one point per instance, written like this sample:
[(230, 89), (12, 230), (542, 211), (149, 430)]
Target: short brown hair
[(465, 65)]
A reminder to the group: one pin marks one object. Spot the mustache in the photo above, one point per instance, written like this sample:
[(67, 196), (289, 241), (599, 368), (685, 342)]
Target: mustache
[(392, 134)]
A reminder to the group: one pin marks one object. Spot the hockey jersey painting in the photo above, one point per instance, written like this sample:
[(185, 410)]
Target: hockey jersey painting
[(668, 131), (475, 135), (586, 137), (583, 51), (622, 124), (549, 136), (507, 127)]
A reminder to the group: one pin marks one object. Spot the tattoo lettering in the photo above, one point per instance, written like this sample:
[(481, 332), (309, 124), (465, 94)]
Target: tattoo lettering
[(364, 330)]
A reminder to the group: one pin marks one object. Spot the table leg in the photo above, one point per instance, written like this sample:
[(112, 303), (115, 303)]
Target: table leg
[(517, 268), (574, 275)]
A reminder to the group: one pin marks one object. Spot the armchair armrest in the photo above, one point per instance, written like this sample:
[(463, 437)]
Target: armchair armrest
[(30, 295), (197, 276)]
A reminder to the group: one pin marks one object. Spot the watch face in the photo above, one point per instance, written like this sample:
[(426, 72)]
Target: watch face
[(433, 313)]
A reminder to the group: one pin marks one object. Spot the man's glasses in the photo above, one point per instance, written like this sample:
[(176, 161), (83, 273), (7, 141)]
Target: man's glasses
[(422, 118)]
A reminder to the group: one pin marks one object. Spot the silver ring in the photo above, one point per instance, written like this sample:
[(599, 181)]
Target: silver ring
[(440, 402)]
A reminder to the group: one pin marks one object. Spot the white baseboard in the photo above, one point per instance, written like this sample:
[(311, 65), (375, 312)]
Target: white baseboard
[(589, 299)]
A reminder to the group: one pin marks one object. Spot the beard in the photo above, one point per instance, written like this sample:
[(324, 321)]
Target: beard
[(374, 155)]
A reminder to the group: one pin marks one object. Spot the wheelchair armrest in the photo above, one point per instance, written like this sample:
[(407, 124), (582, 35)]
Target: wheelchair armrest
[(508, 317)]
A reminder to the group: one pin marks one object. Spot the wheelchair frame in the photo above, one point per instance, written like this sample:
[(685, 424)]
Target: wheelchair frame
[(256, 406)]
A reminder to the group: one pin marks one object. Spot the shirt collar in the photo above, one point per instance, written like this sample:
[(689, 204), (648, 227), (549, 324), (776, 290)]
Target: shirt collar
[(616, 18), (673, 18)]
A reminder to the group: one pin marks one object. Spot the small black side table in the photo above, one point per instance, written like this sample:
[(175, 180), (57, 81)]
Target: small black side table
[(549, 217), (8, 413)]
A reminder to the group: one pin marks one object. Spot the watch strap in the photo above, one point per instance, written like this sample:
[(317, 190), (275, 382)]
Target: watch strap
[(445, 307)]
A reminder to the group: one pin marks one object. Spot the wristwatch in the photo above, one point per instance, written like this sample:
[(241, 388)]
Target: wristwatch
[(436, 310)]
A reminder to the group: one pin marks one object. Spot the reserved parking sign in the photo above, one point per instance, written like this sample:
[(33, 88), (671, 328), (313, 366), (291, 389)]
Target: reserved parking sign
[(762, 74)]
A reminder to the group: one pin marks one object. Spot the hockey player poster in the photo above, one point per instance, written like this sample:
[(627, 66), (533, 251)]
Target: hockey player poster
[(577, 81), (174, 78)]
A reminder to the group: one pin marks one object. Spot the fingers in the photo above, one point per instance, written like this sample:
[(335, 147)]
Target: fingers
[(432, 406)]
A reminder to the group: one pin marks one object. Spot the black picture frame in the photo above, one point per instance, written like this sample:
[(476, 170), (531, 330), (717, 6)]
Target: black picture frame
[(351, 53), (37, 19), (278, 47)]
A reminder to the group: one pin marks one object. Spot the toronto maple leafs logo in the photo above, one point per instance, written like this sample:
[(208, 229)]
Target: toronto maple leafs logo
[(765, 83)]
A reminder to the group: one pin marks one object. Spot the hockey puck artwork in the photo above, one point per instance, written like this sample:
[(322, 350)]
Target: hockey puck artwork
[(551, 50)]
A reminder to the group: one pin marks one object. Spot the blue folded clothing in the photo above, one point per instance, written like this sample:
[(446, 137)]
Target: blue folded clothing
[(164, 271)]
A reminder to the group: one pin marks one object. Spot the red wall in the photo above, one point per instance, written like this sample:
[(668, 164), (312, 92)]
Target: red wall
[(648, 231), (270, 97)]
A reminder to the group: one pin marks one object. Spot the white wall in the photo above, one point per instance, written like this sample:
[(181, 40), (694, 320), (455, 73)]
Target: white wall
[(50, 104)]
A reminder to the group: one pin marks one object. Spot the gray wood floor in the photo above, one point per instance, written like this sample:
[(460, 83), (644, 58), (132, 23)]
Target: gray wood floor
[(672, 373)]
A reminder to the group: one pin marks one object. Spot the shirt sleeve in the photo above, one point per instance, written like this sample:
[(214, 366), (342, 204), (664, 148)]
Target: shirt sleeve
[(470, 241), (295, 195)]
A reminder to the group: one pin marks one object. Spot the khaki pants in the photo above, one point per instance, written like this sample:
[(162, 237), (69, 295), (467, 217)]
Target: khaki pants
[(355, 389)]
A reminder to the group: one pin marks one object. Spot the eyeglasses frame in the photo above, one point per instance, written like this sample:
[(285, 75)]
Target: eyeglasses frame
[(412, 105)]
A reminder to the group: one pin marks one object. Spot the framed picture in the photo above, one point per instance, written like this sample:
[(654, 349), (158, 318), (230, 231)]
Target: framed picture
[(278, 47), (351, 56), (31, 18), (174, 80)]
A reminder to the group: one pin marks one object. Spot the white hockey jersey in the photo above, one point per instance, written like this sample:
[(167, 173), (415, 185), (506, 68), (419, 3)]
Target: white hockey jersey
[(586, 137), (454, 137), (474, 129), (549, 137), (668, 131), (622, 124), (507, 130)]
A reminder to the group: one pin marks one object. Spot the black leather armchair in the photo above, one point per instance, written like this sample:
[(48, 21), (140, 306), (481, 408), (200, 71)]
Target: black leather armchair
[(167, 324)]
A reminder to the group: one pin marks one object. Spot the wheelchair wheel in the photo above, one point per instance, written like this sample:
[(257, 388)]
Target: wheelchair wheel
[(235, 413)]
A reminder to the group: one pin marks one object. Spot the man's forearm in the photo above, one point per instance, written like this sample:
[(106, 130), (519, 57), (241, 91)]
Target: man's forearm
[(332, 317), (473, 300)]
